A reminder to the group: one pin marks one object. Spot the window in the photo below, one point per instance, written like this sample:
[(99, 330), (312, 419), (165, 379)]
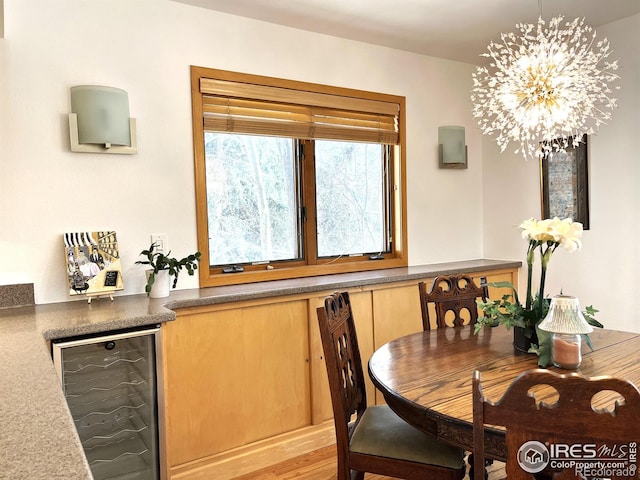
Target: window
[(352, 194), (253, 209), (295, 179)]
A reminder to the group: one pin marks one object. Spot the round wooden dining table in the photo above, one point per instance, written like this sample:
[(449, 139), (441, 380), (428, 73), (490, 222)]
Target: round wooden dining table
[(425, 377)]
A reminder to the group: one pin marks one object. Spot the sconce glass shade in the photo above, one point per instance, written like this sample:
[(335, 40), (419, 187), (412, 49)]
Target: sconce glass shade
[(102, 115), (452, 147), (565, 316)]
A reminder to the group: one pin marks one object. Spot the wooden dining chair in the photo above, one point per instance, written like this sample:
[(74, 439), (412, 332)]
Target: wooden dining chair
[(550, 416), (451, 293), (373, 438)]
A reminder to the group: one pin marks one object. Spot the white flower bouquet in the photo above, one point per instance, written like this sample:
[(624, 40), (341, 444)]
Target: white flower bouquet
[(544, 236)]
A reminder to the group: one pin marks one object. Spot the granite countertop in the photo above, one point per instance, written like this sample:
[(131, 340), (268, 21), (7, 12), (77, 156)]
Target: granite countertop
[(37, 437)]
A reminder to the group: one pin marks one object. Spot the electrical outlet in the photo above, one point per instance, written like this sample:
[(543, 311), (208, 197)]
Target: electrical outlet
[(162, 244)]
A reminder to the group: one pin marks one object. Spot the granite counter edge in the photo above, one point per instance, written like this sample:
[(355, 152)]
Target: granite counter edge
[(55, 321), (334, 282)]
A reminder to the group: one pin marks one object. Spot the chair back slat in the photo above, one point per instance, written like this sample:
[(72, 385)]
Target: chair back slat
[(451, 293), (345, 373), (553, 409)]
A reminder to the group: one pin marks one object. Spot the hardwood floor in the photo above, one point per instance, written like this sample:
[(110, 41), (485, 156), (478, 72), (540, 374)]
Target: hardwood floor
[(321, 465)]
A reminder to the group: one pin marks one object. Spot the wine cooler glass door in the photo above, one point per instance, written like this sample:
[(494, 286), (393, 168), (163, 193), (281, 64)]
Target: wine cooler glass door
[(110, 386)]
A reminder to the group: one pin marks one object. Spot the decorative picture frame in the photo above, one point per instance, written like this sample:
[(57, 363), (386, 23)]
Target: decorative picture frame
[(93, 263), (564, 183)]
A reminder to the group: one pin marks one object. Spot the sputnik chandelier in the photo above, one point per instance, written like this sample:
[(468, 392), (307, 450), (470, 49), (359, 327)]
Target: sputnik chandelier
[(546, 88)]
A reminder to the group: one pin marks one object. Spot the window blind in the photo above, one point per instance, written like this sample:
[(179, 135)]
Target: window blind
[(238, 107)]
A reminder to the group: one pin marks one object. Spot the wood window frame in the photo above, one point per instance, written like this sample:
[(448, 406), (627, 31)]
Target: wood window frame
[(397, 257)]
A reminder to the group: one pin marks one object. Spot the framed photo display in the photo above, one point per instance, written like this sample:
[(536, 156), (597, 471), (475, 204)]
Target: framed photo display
[(564, 183), (93, 263)]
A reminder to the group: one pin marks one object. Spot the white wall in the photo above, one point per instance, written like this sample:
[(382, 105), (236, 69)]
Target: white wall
[(145, 47), (606, 272)]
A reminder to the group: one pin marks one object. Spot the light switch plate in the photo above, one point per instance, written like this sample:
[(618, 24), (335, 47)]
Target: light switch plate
[(161, 241)]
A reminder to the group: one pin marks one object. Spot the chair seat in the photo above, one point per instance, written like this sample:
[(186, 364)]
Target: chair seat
[(382, 433)]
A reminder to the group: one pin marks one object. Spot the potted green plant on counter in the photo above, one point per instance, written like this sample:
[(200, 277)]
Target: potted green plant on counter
[(543, 236), (163, 267)]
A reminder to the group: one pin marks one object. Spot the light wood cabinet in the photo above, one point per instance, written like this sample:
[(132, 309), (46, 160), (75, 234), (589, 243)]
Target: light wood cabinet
[(245, 383), (396, 312), (222, 368)]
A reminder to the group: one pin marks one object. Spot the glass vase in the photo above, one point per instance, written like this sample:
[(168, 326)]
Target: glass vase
[(566, 350)]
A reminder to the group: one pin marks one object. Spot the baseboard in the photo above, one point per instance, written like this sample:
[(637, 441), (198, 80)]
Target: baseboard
[(258, 455)]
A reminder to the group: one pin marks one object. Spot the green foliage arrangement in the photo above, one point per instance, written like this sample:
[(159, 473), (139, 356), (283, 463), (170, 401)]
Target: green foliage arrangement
[(543, 236), (159, 261)]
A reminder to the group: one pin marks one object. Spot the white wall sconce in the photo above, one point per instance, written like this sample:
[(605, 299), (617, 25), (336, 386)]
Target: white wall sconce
[(99, 121), (452, 149)]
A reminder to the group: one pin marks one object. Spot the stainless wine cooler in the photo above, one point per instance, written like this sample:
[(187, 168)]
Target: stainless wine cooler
[(110, 383)]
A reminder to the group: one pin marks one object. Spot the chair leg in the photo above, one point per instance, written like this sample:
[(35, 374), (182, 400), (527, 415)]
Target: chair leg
[(487, 462), (355, 475)]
